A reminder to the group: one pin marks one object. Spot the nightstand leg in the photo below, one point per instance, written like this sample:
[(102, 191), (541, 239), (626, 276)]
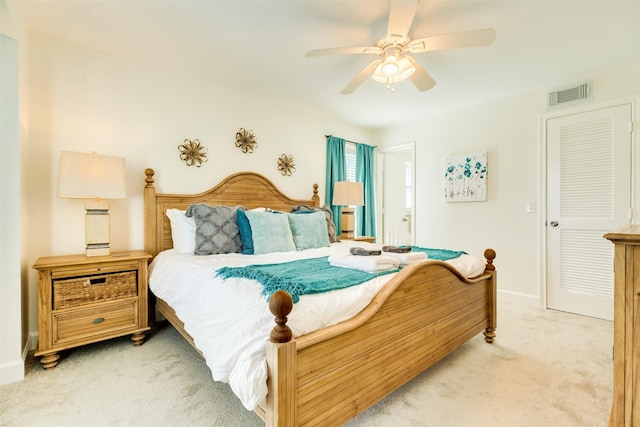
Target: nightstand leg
[(49, 361), (138, 339)]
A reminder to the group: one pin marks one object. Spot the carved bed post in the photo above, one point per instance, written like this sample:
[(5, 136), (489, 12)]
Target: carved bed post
[(150, 233), (281, 364), (490, 331), (150, 241)]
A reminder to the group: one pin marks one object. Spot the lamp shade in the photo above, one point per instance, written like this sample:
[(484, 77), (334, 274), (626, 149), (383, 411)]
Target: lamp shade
[(91, 176), (347, 193)]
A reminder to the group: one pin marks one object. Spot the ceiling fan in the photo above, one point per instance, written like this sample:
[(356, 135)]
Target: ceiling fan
[(393, 63)]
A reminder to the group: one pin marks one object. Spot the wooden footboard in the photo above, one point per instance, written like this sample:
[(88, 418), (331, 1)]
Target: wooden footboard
[(329, 376)]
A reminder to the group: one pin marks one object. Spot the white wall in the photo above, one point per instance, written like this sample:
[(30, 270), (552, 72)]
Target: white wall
[(11, 364), (509, 131), (85, 100)]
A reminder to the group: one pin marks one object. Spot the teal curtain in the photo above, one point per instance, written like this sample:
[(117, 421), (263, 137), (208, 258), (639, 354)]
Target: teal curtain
[(336, 171), (366, 215)]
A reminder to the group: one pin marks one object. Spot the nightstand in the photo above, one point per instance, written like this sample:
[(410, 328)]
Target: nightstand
[(369, 239), (83, 299)]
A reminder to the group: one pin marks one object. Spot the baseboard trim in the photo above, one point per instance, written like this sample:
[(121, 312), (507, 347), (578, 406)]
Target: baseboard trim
[(31, 344), (33, 338), (11, 371), (529, 300)]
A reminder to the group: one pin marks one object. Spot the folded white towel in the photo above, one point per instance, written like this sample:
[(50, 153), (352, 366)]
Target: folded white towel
[(406, 257), (370, 264)]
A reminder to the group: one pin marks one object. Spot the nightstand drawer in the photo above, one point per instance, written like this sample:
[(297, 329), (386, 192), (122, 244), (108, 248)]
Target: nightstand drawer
[(91, 270), (77, 291), (90, 322)]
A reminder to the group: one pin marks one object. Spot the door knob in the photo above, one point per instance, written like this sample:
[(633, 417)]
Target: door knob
[(554, 223)]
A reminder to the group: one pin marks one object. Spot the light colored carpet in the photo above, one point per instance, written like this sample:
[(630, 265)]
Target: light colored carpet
[(546, 368)]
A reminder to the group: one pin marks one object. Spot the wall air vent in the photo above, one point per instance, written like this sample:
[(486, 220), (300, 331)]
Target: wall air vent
[(581, 92)]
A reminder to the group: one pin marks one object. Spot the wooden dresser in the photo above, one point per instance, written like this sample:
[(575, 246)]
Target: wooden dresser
[(626, 326)]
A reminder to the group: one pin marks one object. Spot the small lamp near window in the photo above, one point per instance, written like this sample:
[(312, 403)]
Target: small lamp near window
[(95, 177), (348, 194)]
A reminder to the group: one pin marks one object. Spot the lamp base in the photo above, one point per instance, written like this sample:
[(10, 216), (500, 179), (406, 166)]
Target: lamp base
[(97, 251), (347, 223), (97, 229)]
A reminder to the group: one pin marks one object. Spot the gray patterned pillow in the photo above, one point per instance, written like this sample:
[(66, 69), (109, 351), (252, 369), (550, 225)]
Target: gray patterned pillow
[(216, 229), (331, 227)]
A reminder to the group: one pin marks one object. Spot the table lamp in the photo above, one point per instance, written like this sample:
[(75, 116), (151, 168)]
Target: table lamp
[(95, 177), (348, 194)]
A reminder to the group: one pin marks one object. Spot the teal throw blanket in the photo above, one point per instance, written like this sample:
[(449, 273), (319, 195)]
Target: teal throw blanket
[(439, 254), (314, 275), (305, 276)]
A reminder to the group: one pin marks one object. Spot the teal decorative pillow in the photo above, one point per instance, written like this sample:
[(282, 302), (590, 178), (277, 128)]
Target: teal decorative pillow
[(331, 227), (309, 230), (270, 232), (216, 229), (245, 232)]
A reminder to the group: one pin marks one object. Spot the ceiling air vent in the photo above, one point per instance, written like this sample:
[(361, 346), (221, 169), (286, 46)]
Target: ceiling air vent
[(581, 92)]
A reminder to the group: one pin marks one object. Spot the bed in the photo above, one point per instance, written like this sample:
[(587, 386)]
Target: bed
[(325, 377)]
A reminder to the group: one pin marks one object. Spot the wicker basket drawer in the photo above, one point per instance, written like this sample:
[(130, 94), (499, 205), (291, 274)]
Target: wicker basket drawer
[(93, 321), (78, 291)]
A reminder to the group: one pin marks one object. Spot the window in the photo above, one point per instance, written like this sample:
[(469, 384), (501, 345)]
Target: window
[(350, 161)]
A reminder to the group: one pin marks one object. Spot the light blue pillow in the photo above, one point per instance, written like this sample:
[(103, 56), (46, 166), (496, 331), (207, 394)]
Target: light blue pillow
[(309, 230), (270, 232)]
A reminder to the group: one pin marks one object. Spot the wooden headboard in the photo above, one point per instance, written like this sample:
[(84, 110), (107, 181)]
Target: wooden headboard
[(247, 189)]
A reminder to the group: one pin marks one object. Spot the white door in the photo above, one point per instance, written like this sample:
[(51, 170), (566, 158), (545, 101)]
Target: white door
[(397, 195), (588, 195)]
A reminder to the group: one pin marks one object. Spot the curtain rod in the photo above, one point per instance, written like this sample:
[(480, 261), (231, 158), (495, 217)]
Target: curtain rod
[(352, 142)]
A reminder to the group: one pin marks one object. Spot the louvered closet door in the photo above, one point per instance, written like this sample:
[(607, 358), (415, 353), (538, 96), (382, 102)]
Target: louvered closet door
[(588, 195)]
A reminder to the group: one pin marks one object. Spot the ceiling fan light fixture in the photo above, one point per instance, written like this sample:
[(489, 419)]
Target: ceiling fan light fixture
[(390, 66), (403, 71), (406, 69), (378, 75), (394, 60)]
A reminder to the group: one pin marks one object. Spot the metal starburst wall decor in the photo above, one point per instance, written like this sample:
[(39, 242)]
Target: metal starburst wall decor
[(245, 140), (192, 152), (286, 165)]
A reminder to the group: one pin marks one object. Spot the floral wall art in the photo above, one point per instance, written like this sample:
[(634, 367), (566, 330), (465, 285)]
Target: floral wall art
[(466, 178)]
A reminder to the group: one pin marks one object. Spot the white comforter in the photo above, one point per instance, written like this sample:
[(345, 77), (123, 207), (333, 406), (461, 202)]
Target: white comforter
[(230, 320)]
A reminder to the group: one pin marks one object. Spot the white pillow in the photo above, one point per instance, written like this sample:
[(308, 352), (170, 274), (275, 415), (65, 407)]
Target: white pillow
[(183, 231)]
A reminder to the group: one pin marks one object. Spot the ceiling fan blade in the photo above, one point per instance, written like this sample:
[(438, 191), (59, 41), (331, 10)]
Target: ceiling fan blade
[(401, 14), (344, 51), (471, 38), (361, 77), (420, 77)]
